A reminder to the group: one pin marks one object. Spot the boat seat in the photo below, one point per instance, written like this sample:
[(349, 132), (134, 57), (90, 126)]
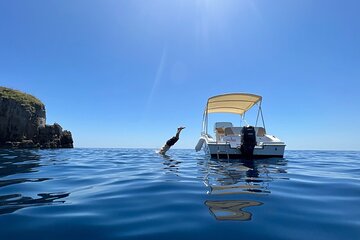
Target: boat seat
[(222, 125), (261, 132), (220, 131), (230, 131), (237, 130)]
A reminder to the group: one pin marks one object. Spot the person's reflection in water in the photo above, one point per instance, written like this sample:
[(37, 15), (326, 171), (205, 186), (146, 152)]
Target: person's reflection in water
[(171, 165), (236, 178)]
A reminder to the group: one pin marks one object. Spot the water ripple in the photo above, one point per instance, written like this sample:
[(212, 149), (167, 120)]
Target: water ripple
[(138, 194)]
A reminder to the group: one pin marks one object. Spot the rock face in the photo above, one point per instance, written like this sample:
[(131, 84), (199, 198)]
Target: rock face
[(23, 123)]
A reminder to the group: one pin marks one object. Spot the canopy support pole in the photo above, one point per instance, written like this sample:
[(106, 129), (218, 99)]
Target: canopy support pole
[(206, 119), (203, 123), (262, 117), (257, 117)]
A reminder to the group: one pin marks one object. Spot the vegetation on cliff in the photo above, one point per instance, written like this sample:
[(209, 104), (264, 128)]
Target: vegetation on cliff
[(25, 99)]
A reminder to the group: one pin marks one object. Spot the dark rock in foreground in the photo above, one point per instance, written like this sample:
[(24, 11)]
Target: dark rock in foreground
[(23, 123)]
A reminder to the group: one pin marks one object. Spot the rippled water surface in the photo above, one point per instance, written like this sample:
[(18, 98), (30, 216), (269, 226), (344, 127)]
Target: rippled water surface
[(138, 194)]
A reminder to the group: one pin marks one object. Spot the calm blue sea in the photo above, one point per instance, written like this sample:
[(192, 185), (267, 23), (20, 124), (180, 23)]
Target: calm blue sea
[(138, 194)]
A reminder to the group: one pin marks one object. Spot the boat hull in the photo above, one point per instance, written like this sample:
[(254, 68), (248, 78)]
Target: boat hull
[(223, 150)]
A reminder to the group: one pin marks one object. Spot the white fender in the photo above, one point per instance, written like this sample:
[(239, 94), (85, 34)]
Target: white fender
[(199, 144)]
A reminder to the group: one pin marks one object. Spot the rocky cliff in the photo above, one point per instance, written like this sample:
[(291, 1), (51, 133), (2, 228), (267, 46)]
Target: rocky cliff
[(23, 123)]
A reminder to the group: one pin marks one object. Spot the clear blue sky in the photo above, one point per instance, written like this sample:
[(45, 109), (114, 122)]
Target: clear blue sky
[(127, 73)]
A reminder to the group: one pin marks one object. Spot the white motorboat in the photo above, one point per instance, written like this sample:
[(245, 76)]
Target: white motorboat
[(231, 141)]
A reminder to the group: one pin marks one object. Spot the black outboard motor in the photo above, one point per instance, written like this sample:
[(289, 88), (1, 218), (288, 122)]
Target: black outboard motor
[(248, 141)]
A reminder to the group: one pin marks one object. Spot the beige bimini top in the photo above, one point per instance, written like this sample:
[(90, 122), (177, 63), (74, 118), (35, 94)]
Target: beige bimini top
[(237, 103)]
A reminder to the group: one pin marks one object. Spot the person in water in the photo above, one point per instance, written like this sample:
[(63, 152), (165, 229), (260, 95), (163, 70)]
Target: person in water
[(171, 141)]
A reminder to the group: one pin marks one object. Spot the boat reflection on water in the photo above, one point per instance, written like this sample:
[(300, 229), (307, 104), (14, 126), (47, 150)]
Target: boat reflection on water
[(24, 163), (231, 209), (235, 178)]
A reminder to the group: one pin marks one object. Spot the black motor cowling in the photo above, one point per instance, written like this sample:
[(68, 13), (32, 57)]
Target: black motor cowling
[(248, 141)]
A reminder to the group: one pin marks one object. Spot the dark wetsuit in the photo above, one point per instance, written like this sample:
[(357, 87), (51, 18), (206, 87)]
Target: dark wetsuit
[(172, 141)]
